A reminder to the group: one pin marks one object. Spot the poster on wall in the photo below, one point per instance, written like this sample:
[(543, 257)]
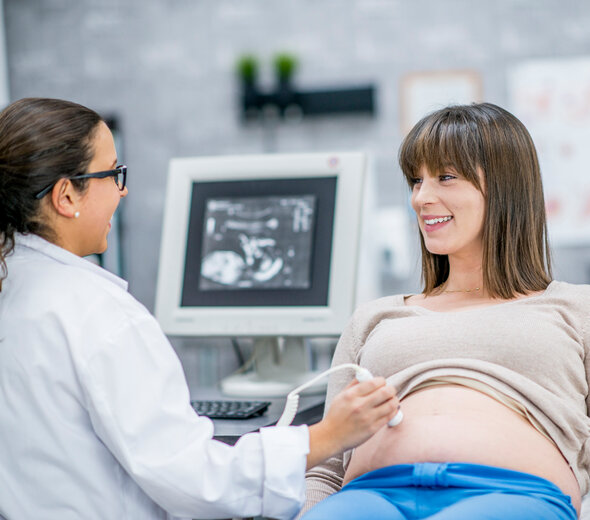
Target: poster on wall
[(426, 91), (552, 99)]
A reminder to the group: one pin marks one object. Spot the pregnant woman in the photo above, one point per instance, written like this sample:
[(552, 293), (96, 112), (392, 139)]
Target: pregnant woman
[(490, 361)]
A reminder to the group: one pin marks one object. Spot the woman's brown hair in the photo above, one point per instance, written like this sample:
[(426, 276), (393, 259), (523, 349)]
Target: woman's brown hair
[(41, 141), (516, 256)]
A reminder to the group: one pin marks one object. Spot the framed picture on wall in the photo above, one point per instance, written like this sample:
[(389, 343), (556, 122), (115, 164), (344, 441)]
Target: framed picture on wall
[(425, 91)]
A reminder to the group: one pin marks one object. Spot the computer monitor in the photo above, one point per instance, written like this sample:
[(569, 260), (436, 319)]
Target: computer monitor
[(263, 247)]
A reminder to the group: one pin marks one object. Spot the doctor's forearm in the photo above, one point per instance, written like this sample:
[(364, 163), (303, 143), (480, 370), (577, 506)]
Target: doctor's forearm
[(322, 444)]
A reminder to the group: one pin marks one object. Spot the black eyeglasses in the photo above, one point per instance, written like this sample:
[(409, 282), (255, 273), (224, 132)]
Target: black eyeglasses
[(119, 174)]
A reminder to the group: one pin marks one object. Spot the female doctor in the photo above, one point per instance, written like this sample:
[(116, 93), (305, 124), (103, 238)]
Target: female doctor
[(94, 409)]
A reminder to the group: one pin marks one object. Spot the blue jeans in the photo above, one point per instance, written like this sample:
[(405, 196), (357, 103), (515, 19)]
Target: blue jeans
[(446, 492)]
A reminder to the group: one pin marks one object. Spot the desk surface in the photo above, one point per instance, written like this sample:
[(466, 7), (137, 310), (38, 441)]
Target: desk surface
[(229, 430)]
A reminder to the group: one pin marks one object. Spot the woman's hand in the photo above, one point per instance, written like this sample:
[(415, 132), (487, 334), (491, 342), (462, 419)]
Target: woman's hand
[(354, 416)]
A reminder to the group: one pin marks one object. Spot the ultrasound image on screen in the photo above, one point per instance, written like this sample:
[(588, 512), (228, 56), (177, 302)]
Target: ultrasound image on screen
[(257, 242)]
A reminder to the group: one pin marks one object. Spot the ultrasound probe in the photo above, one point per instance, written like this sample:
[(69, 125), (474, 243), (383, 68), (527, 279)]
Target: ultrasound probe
[(362, 374)]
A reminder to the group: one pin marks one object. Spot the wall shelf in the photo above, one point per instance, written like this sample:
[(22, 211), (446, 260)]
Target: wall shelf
[(353, 100)]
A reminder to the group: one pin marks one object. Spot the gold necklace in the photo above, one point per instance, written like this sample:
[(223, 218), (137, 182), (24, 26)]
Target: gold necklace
[(461, 290)]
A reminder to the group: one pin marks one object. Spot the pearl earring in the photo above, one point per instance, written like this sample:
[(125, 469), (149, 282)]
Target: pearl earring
[(77, 214)]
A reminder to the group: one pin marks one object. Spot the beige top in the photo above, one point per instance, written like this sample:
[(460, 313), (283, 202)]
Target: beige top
[(531, 354)]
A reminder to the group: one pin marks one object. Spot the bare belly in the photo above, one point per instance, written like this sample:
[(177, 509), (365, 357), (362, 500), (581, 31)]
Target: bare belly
[(458, 424)]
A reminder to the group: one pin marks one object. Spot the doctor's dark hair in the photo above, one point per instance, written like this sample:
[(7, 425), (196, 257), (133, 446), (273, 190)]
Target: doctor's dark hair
[(41, 141), (516, 255)]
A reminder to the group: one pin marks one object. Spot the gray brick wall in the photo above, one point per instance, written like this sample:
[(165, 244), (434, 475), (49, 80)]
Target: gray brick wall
[(166, 68)]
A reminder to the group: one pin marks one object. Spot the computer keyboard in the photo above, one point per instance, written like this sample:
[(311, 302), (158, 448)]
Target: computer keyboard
[(230, 409)]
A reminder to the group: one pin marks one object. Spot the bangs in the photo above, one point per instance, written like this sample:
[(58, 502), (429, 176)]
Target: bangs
[(447, 138)]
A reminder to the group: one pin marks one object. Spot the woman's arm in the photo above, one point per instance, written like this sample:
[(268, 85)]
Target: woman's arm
[(139, 407), (326, 478)]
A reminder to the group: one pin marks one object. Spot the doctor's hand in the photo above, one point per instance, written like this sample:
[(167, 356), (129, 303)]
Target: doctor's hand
[(354, 416)]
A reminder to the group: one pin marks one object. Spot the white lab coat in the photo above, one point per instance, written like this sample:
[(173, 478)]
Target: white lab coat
[(95, 419)]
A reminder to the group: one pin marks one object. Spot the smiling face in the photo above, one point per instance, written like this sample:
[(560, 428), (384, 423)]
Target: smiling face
[(450, 211), (494, 208), (100, 200)]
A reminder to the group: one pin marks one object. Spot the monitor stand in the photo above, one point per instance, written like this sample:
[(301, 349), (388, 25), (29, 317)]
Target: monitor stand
[(280, 365)]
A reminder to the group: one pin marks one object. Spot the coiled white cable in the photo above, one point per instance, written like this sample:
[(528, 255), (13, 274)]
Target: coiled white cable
[(362, 374)]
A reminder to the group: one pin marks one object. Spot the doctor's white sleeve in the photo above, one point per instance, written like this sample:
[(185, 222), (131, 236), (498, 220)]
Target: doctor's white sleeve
[(139, 405)]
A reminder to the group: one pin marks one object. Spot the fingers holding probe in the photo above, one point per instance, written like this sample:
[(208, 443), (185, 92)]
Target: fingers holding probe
[(363, 408)]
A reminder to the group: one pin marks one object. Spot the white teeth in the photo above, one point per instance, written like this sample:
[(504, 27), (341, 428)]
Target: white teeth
[(431, 221)]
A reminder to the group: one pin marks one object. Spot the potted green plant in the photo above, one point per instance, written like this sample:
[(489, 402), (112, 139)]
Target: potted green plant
[(285, 65), (247, 67)]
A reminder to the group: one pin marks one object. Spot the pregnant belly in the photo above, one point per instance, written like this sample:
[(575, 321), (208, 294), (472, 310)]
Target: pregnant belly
[(458, 424)]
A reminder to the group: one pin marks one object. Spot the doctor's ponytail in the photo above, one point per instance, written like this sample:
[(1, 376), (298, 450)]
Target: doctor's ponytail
[(41, 141)]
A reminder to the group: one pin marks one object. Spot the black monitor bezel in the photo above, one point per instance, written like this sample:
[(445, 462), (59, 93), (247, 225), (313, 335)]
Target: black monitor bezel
[(322, 187)]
